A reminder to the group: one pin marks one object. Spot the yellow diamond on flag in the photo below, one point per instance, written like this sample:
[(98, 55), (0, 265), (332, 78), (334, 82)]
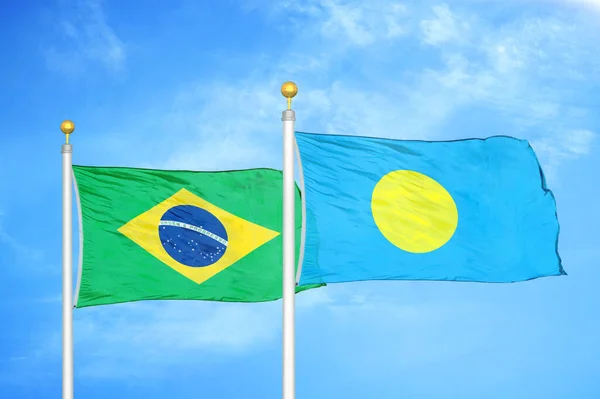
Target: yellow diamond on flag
[(194, 237)]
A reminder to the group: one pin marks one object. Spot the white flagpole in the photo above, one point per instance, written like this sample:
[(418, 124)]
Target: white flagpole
[(67, 127), (289, 90)]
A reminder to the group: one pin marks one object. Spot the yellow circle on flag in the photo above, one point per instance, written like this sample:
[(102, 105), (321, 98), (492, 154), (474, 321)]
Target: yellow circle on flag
[(413, 211)]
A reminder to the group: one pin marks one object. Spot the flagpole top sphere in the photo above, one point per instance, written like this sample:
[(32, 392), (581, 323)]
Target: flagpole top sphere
[(289, 90), (67, 127)]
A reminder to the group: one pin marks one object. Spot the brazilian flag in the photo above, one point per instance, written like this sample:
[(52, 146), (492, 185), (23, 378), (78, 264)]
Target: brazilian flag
[(157, 234)]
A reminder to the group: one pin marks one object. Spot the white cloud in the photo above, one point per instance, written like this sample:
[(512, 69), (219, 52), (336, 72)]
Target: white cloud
[(506, 57), (344, 109), (233, 127), (229, 125), (553, 150), (314, 299), (499, 68), (446, 27), (89, 39), (591, 4), (357, 23), (364, 23), (525, 78), (578, 142)]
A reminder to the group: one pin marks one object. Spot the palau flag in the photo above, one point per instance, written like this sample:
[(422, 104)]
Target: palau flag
[(156, 234), (466, 210)]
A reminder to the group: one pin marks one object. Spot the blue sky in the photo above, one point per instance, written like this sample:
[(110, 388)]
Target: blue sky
[(184, 84)]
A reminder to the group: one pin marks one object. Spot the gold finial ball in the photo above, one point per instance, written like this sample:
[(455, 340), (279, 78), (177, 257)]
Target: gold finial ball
[(289, 89), (67, 127)]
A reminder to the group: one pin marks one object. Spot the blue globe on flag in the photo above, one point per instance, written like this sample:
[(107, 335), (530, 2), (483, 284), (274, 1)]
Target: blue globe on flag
[(192, 236)]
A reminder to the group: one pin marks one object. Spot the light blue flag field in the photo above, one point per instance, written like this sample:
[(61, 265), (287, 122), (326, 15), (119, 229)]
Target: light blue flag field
[(466, 210)]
